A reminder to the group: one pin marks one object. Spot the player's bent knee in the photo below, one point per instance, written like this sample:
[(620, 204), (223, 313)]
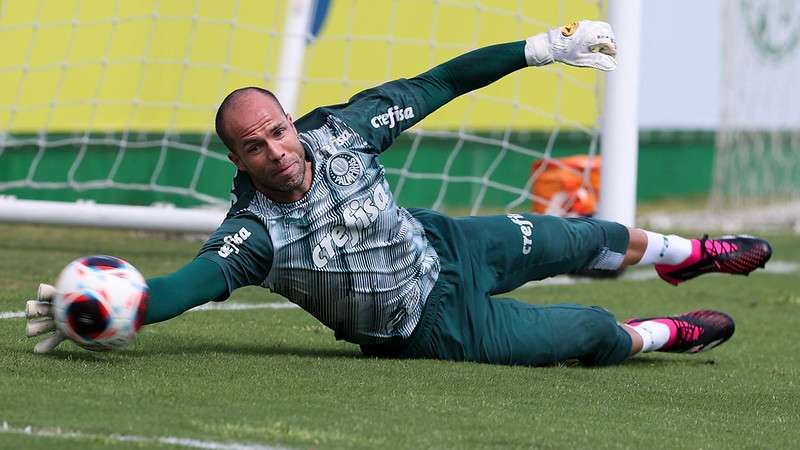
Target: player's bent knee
[(587, 243), (608, 241)]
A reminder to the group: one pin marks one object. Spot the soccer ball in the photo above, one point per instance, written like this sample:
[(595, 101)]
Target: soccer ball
[(100, 302)]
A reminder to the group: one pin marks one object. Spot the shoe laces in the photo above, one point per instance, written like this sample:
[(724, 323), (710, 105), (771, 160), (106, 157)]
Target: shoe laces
[(715, 247), (687, 331)]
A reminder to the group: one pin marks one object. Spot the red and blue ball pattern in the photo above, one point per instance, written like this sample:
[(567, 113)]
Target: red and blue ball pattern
[(100, 302)]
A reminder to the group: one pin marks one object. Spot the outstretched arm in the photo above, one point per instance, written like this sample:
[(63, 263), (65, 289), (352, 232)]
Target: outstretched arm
[(194, 284), (582, 44), (466, 73), (238, 254), (380, 114)]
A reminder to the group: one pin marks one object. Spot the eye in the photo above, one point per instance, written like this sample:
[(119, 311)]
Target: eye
[(279, 132)]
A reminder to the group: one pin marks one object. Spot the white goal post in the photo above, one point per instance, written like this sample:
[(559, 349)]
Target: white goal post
[(620, 136), (489, 189)]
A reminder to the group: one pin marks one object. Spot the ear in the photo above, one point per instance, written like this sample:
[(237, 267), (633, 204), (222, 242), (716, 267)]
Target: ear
[(236, 161), (291, 121)]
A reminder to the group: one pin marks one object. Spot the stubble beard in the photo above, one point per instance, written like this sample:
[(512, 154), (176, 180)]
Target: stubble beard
[(294, 182)]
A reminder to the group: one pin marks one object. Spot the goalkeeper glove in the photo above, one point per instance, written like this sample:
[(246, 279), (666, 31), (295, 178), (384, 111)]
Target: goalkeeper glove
[(39, 315), (583, 44)]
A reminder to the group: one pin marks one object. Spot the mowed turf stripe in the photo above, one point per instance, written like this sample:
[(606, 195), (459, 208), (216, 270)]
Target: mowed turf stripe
[(164, 440)]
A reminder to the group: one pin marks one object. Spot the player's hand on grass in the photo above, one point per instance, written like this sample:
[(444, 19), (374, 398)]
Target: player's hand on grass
[(39, 316), (585, 43)]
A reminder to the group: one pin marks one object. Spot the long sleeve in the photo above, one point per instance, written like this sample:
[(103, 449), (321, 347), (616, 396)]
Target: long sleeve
[(381, 113), (237, 254), (466, 73), (194, 284)]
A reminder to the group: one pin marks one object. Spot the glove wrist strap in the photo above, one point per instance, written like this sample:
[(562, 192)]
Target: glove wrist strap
[(537, 50)]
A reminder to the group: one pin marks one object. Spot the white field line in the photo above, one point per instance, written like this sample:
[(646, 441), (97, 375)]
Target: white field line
[(5, 427), (11, 314), (775, 267), (648, 273), (227, 306), (235, 306)]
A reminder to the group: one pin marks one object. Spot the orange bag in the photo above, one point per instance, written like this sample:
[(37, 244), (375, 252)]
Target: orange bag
[(560, 189)]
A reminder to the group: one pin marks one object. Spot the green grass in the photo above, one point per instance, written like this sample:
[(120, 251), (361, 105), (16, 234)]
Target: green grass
[(278, 378)]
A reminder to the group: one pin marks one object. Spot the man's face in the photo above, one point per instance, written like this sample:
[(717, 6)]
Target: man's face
[(265, 145)]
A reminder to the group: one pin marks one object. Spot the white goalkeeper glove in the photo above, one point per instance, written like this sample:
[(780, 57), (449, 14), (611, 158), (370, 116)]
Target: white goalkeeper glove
[(39, 315), (583, 44)]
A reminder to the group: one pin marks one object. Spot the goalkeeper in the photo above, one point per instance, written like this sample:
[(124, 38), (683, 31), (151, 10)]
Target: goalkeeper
[(313, 219)]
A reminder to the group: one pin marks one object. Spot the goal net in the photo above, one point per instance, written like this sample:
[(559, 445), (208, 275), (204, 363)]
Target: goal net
[(758, 142), (112, 102)]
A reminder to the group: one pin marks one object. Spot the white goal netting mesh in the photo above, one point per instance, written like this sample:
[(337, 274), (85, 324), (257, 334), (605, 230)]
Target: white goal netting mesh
[(113, 101), (758, 143), (756, 179)]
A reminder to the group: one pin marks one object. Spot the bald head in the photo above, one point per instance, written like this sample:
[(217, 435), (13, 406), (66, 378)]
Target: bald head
[(230, 101), (263, 142)]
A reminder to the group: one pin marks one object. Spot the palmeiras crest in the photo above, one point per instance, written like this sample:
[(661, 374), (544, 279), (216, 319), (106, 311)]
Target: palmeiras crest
[(344, 168)]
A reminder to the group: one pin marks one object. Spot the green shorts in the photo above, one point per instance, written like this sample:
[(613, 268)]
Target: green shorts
[(482, 257)]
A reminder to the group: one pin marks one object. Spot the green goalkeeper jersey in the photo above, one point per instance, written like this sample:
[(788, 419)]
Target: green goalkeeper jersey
[(346, 252)]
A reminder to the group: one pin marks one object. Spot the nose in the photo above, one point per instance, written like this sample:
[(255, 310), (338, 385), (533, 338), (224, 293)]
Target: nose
[(276, 152)]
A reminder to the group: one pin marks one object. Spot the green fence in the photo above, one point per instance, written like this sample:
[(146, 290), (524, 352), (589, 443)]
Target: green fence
[(671, 164)]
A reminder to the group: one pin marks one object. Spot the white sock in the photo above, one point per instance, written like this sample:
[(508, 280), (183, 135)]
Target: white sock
[(654, 334), (662, 249)]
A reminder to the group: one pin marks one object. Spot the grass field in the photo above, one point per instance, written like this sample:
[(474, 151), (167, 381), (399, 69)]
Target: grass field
[(267, 378)]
